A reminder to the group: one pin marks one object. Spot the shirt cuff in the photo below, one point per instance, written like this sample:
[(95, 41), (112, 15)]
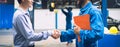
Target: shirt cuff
[(50, 32), (81, 32)]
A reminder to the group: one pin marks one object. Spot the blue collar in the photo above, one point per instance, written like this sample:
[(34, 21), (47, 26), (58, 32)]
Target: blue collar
[(88, 5)]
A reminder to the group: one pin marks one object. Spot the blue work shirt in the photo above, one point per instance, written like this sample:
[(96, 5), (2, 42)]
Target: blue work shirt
[(89, 38), (23, 32)]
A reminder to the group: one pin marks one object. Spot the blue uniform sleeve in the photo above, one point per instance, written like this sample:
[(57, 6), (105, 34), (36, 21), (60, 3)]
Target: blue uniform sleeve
[(97, 28), (64, 11), (67, 35)]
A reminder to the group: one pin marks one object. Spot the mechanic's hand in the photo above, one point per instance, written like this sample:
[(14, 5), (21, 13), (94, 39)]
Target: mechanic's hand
[(77, 30)]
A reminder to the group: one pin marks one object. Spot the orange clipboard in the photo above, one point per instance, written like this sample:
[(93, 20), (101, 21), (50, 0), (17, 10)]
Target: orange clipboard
[(83, 21)]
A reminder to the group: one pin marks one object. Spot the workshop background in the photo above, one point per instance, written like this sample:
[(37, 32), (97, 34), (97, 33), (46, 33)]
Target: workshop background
[(45, 18)]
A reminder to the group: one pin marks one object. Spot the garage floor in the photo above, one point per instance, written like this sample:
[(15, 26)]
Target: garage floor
[(6, 40)]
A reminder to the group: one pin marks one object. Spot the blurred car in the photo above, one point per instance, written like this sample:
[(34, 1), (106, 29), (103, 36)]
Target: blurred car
[(113, 22), (37, 4)]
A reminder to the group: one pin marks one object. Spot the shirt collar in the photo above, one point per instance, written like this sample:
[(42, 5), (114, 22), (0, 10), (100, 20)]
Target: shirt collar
[(88, 5), (24, 12)]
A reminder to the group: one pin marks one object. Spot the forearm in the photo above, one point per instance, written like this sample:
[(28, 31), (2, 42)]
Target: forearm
[(92, 35), (64, 11), (67, 35), (40, 36)]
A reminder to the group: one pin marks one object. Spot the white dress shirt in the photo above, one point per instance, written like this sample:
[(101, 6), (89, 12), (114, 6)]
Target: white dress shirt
[(23, 32)]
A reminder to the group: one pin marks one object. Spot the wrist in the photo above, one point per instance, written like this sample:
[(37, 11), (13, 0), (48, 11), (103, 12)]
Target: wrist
[(50, 32)]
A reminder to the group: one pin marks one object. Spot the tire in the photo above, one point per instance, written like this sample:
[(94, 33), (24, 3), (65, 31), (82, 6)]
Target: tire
[(119, 27)]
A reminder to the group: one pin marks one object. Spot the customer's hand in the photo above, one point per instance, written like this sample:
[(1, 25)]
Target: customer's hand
[(56, 34)]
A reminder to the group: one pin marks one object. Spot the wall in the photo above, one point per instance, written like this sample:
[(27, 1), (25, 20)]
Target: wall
[(44, 19), (114, 13), (6, 14)]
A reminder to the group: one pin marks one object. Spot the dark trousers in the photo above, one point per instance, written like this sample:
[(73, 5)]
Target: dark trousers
[(32, 46)]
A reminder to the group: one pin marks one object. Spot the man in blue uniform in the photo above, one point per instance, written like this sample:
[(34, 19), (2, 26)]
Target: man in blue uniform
[(68, 15), (88, 38)]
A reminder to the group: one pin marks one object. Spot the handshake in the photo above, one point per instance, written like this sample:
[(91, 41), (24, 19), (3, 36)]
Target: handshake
[(56, 34)]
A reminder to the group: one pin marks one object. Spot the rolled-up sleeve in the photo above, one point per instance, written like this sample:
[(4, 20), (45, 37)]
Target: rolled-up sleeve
[(67, 35)]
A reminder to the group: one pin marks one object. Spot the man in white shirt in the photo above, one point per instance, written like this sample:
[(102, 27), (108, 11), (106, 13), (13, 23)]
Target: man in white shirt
[(23, 32)]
